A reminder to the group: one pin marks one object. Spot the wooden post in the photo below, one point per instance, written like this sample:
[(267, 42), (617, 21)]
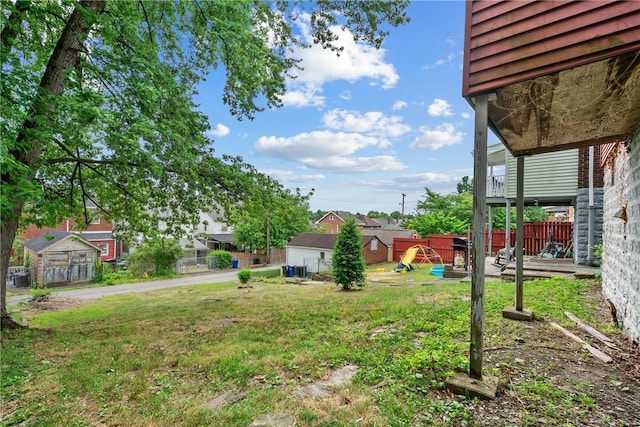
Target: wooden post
[(519, 231), (477, 249)]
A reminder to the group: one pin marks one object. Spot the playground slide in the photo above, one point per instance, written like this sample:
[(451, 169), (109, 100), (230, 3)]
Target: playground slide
[(409, 256)]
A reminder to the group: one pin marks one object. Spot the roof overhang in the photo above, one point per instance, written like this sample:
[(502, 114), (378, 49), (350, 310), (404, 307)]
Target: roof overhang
[(591, 104)]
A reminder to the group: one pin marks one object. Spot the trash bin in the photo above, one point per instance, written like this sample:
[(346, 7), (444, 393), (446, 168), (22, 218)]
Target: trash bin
[(303, 271), (22, 280), (234, 263), (292, 271), (285, 270)]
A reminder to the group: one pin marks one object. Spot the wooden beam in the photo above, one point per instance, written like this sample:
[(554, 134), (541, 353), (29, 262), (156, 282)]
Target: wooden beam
[(597, 353), (477, 249), (591, 331)]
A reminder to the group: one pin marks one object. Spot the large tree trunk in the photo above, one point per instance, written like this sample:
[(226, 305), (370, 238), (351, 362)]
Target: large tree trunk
[(66, 55)]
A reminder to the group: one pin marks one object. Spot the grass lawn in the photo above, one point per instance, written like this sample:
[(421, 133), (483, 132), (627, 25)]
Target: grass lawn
[(158, 359)]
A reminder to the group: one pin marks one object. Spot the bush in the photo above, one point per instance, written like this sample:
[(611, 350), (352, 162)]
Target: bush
[(244, 275), (219, 259), (157, 256)]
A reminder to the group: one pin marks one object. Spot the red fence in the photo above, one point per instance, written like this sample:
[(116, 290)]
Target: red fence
[(536, 234)]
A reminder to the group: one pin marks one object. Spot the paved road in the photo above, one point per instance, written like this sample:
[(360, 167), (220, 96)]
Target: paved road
[(185, 280)]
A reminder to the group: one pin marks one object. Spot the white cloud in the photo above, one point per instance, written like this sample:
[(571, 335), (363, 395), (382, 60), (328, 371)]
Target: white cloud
[(320, 66), (346, 95), (330, 151), (287, 176), (372, 122), (399, 105), (442, 136), (219, 130), (466, 115), (356, 164), (303, 98), (450, 57), (439, 107)]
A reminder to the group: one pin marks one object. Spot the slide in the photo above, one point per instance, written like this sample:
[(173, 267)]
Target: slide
[(407, 258)]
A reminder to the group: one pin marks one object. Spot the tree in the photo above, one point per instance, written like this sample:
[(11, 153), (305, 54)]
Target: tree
[(97, 102), (156, 256), (442, 214), (269, 216), (347, 258), (465, 186)]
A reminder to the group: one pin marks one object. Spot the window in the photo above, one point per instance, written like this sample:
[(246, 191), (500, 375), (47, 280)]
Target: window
[(104, 249), (332, 218), (94, 216), (374, 245), (321, 255)]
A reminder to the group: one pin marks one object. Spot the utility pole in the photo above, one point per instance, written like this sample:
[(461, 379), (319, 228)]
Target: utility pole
[(403, 196)]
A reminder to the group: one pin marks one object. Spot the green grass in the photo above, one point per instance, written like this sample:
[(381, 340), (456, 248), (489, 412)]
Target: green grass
[(156, 358)]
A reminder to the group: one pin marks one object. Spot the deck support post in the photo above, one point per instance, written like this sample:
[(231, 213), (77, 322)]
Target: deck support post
[(518, 312), (475, 384)]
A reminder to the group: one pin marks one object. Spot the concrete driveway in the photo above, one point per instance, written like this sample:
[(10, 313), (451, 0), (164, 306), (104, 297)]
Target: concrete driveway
[(184, 280)]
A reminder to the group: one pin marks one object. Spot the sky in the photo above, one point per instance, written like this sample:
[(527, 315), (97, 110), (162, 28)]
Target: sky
[(364, 128)]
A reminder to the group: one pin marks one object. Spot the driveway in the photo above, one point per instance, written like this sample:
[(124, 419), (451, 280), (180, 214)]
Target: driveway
[(184, 280)]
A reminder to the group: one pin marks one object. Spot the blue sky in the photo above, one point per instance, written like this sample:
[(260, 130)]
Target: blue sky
[(368, 126)]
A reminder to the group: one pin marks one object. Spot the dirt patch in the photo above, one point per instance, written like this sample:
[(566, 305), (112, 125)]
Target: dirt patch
[(47, 303), (541, 358)]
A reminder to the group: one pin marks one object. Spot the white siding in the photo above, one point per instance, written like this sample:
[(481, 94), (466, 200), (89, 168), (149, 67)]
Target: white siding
[(310, 257), (545, 175), (621, 238)]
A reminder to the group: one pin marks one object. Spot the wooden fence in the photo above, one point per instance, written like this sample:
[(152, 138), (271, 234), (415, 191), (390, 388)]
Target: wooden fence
[(536, 235)]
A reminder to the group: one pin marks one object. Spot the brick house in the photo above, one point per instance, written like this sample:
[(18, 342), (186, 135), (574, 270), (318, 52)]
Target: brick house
[(99, 233), (333, 220)]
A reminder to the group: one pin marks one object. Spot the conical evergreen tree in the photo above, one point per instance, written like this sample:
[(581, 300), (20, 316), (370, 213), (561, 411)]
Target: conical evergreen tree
[(348, 261)]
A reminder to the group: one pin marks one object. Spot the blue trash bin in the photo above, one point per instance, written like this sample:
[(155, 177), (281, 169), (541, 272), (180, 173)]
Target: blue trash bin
[(292, 271), (234, 263)]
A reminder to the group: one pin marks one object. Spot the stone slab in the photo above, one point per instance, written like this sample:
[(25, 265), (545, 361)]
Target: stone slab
[(462, 384), (512, 313)]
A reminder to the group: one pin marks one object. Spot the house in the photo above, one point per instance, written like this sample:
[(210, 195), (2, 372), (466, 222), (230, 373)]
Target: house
[(214, 232), (315, 250), (558, 178), (566, 75), (59, 257), (333, 220), (386, 236), (99, 232)]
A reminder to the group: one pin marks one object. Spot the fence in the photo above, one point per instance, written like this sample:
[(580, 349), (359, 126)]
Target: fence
[(536, 235), (13, 271)]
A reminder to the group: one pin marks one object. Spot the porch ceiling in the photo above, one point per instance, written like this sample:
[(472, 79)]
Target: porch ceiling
[(591, 104)]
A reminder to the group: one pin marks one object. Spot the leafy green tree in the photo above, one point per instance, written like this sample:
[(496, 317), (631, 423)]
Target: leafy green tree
[(442, 214), (347, 258), (156, 256), (97, 102), (220, 259), (376, 214), (396, 215), (465, 185), (269, 217)]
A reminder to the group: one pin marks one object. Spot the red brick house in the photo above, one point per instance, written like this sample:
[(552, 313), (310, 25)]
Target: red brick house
[(333, 220), (98, 233)]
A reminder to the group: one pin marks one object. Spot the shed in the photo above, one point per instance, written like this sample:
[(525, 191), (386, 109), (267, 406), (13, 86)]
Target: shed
[(59, 257)]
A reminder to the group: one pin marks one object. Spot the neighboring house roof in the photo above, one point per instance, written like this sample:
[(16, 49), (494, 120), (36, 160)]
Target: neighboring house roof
[(361, 220), (222, 238), (97, 236), (324, 241), (386, 236), (192, 244), (314, 240), (52, 237)]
